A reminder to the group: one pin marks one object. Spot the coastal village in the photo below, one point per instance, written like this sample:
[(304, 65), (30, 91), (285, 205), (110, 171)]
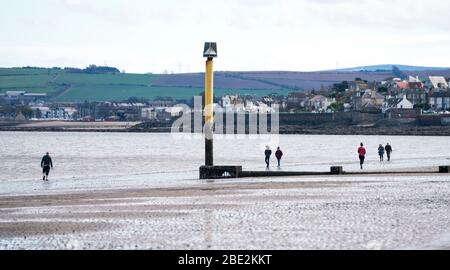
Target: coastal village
[(405, 99)]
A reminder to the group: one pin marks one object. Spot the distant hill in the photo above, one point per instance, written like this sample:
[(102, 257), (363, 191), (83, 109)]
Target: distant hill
[(285, 81), (73, 85), (93, 85), (389, 68)]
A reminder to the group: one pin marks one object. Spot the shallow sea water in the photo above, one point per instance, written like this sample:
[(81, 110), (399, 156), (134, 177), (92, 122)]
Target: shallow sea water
[(96, 155)]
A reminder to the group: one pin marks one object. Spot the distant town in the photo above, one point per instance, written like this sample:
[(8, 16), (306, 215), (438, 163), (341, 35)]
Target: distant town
[(401, 99)]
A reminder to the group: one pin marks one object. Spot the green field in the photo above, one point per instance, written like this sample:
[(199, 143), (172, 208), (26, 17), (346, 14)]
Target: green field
[(20, 81), (122, 92), (106, 79), (78, 87), (28, 71)]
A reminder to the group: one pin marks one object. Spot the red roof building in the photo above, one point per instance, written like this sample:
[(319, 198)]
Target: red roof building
[(402, 85)]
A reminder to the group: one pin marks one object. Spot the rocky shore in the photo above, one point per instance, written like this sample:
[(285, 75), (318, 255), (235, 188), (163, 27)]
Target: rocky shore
[(357, 130), (400, 130)]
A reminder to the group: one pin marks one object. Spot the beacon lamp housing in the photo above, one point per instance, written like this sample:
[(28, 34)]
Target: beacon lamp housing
[(210, 50)]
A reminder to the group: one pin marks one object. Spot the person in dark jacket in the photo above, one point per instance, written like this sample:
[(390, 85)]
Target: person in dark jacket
[(46, 163), (388, 149), (267, 153), (279, 155), (381, 152)]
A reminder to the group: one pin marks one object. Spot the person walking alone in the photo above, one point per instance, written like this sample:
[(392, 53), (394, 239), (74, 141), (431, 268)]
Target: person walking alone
[(267, 153), (381, 152), (362, 155), (279, 155), (46, 163), (388, 149)]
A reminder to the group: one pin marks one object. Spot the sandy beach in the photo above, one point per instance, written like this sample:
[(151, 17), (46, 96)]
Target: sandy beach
[(141, 191), (358, 212)]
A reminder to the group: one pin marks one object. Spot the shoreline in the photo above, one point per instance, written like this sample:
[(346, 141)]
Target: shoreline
[(290, 130)]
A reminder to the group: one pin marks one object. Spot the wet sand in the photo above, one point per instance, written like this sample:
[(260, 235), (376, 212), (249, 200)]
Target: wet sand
[(359, 212)]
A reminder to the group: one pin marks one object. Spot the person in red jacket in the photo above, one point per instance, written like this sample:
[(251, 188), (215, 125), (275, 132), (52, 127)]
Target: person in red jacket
[(362, 154)]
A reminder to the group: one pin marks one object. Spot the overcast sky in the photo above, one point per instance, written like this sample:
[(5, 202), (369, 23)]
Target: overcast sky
[(153, 36)]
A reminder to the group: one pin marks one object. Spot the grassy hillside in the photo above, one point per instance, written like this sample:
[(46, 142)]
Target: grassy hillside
[(30, 80), (77, 87), (121, 92), (63, 85), (106, 79), (20, 81)]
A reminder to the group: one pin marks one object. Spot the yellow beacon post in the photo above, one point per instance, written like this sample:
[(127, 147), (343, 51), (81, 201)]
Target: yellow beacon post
[(210, 52)]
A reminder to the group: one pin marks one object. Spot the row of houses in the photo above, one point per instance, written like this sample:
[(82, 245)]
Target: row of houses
[(53, 113), (433, 94), (106, 111), (130, 111), (369, 100), (429, 83), (310, 102), (236, 103)]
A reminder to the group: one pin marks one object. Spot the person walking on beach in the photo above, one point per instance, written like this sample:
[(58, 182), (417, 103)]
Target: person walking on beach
[(388, 149), (362, 155), (267, 153), (46, 163), (381, 152), (279, 155)]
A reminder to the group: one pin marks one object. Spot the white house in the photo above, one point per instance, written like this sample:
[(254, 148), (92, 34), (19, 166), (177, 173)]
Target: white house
[(174, 111), (15, 94), (233, 104), (438, 82), (397, 103), (148, 113), (59, 113), (226, 103), (320, 103)]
